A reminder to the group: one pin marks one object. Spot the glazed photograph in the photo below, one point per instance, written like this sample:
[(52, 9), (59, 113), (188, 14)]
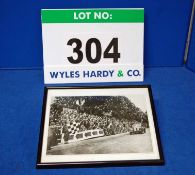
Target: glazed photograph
[(104, 124)]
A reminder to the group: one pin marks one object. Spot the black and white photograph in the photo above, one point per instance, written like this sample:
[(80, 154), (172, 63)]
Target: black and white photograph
[(91, 125)]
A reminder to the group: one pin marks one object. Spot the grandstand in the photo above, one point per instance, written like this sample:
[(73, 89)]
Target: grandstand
[(108, 115)]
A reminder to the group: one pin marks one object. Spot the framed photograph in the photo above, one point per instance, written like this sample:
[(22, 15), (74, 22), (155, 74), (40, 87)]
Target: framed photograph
[(99, 126)]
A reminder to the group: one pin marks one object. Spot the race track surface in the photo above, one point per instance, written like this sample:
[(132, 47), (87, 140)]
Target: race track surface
[(122, 143)]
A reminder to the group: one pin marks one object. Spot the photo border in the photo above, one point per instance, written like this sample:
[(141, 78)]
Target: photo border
[(159, 161)]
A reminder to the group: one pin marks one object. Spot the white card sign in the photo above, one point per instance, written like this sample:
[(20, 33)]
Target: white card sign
[(92, 45)]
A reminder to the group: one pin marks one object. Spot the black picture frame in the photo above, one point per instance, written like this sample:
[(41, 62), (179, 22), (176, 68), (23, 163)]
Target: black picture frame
[(160, 161)]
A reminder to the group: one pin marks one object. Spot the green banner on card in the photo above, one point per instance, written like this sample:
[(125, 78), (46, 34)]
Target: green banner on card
[(93, 16)]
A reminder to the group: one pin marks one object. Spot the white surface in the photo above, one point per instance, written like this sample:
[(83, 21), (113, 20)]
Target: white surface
[(55, 49)]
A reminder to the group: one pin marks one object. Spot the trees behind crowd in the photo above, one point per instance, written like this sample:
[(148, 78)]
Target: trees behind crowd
[(119, 107)]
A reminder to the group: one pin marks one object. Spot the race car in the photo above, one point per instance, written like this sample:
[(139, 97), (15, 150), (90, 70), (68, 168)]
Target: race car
[(137, 128)]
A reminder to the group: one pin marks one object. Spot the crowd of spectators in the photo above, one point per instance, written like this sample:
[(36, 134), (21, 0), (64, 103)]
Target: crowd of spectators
[(112, 114), (110, 124)]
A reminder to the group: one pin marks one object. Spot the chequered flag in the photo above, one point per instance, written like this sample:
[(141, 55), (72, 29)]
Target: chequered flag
[(73, 127)]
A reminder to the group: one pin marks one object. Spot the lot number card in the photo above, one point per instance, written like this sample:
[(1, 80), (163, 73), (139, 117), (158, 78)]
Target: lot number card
[(92, 45)]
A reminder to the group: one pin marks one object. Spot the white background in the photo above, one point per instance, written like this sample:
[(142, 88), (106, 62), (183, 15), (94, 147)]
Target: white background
[(55, 48), (56, 36)]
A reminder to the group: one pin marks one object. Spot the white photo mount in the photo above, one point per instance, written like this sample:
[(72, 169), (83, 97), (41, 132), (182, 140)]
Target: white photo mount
[(93, 45)]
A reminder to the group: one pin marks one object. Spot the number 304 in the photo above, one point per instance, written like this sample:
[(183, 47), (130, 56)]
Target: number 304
[(115, 55)]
